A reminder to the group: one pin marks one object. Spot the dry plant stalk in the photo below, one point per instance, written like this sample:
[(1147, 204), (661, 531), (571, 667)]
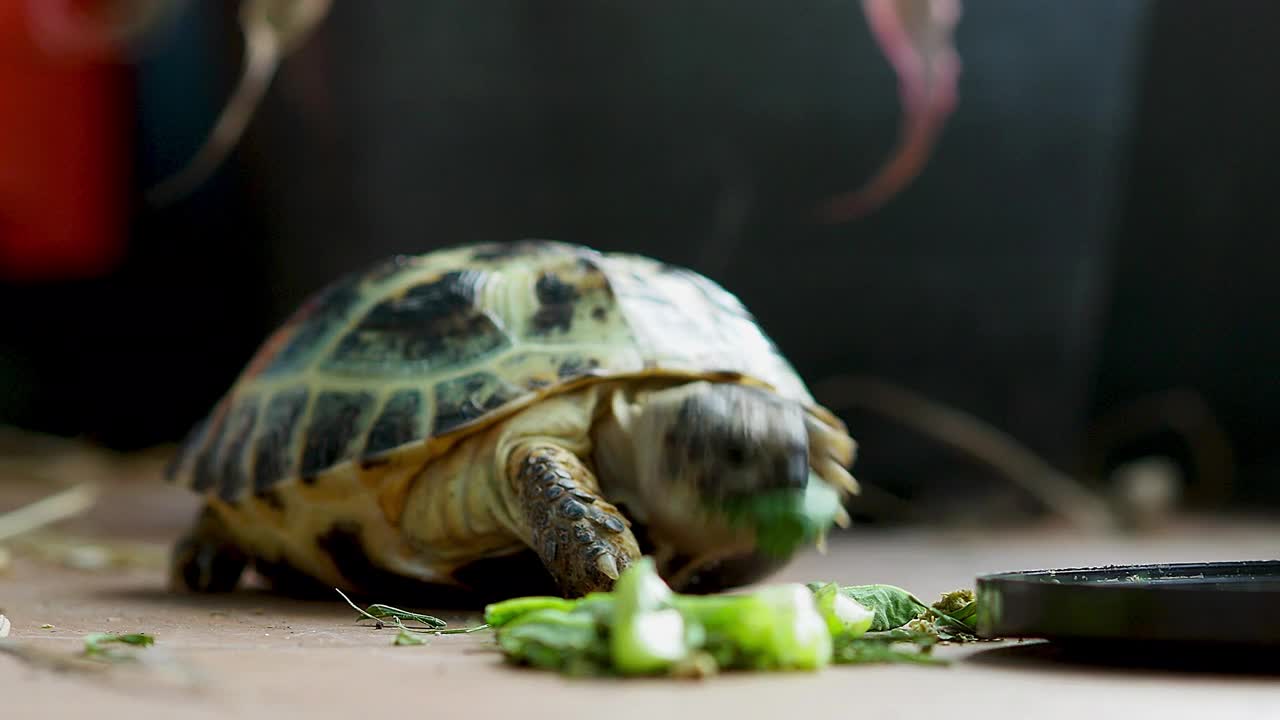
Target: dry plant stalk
[(57, 507), (1059, 492)]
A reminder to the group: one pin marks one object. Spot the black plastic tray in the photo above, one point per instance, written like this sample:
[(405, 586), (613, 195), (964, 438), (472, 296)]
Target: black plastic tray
[(1227, 603)]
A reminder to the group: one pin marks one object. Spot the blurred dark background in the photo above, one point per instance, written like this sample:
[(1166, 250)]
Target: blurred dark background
[(1087, 262)]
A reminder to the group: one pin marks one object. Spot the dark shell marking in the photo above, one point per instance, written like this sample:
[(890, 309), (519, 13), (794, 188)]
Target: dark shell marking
[(400, 422), (233, 478), (336, 421), (206, 469), (466, 399), (570, 292), (576, 366), (222, 468), (556, 299), (434, 326), (276, 453)]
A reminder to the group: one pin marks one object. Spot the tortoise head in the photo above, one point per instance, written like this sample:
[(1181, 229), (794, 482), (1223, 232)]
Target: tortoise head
[(725, 467)]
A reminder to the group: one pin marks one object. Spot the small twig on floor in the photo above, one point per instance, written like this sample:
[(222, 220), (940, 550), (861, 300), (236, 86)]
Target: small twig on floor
[(434, 625), (55, 508)]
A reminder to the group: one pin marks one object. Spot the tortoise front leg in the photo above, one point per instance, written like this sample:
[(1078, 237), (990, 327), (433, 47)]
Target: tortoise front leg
[(583, 541), (207, 559)]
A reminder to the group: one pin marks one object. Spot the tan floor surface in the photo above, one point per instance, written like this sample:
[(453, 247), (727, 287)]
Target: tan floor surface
[(251, 655)]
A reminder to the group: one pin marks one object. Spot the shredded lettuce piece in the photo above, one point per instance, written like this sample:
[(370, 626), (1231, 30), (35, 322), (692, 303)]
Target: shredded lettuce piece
[(647, 634), (643, 628)]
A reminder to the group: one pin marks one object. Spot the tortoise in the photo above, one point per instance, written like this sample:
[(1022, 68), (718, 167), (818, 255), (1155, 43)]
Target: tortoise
[(528, 416)]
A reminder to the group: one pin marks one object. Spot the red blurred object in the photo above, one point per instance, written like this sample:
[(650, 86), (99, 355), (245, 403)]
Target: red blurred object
[(64, 157)]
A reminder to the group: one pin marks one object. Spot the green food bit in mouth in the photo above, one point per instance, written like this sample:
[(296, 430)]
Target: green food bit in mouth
[(785, 520)]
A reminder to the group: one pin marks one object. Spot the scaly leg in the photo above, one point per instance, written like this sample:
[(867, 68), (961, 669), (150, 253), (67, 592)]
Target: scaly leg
[(583, 541), (206, 559)]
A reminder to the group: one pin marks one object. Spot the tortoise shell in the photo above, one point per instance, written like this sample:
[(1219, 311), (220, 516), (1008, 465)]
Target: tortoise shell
[(418, 351)]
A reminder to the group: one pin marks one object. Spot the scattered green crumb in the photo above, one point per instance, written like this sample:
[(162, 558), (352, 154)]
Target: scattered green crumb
[(104, 645), (883, 650), (404, 637), (46, 626), (954, 601)]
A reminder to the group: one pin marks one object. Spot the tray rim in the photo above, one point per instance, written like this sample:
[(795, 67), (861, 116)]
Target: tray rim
[(1056, 605)]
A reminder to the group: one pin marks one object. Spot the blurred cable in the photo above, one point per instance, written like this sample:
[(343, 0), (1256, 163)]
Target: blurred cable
[(272, 30)]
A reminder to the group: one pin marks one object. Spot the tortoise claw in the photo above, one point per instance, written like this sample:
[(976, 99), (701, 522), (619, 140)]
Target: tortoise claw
[(607, 565)]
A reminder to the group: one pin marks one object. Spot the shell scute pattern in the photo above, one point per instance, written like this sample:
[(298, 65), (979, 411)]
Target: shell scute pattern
[(204, 476), (432, 326), (424, 346), (464, 400), (399, 423), (574, 304), (233, 475), (303, 335), (337, 420), (275, 453), (556, 299)]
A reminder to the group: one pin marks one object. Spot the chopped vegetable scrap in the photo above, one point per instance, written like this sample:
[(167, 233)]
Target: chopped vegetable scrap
[(643, 628)]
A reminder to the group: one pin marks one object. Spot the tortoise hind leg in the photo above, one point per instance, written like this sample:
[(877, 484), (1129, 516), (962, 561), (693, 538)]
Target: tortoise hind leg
[(207, 559), (582, 540)]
